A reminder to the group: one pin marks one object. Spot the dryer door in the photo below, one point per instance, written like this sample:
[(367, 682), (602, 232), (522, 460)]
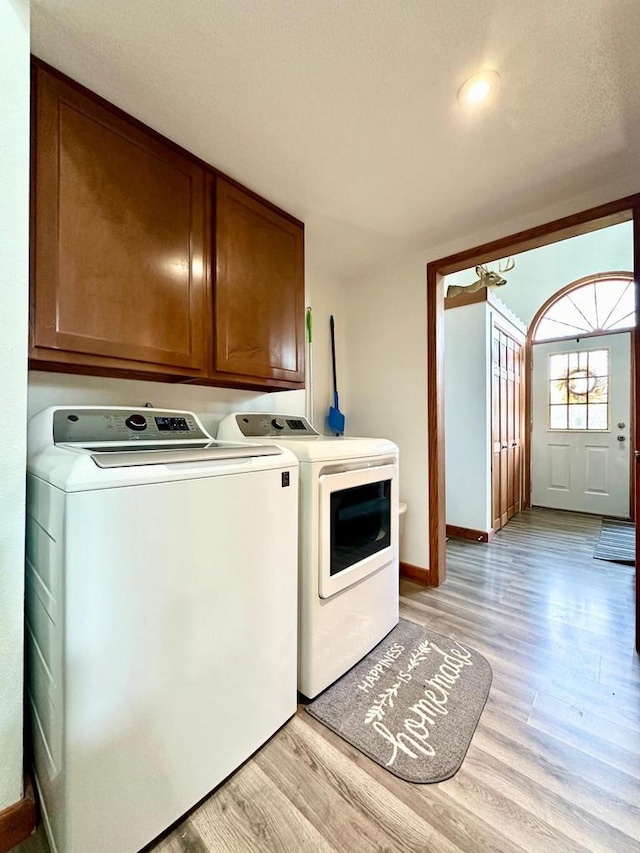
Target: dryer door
[(358, 525)]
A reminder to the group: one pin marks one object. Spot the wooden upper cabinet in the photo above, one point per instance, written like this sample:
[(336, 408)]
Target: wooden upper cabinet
[(146, 263), (117, 266), (258, 290)]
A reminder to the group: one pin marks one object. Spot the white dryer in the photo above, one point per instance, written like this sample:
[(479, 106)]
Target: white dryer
[(161, 616), (348, 547)]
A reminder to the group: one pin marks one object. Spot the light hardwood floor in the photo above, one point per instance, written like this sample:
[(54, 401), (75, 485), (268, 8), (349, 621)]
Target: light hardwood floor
[(554, 765)]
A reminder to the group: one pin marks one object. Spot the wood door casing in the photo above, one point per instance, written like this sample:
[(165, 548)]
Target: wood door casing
[(518, 423), (636, 403), (581, 222), (258, 289), (117, 272), (507, 428)]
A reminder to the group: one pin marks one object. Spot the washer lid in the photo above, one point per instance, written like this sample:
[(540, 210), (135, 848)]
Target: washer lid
[(118, 457)]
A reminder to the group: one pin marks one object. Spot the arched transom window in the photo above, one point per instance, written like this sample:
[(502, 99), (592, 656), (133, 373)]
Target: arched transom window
[(603, 303)]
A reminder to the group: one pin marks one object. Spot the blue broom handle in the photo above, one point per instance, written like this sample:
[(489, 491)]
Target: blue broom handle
[(333, 361)]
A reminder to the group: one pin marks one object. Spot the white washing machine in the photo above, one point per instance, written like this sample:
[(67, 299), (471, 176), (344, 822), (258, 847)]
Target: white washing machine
[(161, 616), (348, 550)]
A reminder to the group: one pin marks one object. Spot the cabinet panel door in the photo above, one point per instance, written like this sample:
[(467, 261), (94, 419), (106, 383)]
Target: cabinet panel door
[(506, 369), (504, 421), (119, 231), (259, 289), (496, 515)]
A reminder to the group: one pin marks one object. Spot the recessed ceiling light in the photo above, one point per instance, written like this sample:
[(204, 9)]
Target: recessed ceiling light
[(479, 88)]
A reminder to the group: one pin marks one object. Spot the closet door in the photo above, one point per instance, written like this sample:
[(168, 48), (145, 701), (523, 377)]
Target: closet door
[(496, 522), (506, 369), (505, 407)]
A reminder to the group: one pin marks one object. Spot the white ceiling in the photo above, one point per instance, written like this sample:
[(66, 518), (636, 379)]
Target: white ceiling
[(344, 112)]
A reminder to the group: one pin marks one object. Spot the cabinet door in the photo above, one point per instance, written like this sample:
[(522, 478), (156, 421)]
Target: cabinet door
[(117, 275), (258, 291)]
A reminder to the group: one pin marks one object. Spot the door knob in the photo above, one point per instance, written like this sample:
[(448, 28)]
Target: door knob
[(621, 438), (621, 425)]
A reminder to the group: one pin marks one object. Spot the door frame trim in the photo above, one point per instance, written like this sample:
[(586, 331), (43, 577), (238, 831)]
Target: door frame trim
[(583, 222)]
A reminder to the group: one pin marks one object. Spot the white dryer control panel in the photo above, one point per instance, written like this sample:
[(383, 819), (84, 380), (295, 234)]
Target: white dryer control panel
[(264, 425)]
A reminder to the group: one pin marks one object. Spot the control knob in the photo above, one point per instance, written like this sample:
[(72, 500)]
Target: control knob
[(277, 423), (136, 422)]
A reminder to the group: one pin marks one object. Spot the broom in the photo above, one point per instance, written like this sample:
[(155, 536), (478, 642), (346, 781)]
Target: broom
[(336, 418)]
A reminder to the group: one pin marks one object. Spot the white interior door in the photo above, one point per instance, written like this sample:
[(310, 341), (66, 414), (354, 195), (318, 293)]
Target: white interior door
[(574, 467)]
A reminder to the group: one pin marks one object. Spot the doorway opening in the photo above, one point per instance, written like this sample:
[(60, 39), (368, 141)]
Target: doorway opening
[(593, 219), (582, 462)]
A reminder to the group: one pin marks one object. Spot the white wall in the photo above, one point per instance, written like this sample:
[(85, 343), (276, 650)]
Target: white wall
[(326, 296), (387, 381), (541, 272), (467, 392), (54, 389), (14, 220)]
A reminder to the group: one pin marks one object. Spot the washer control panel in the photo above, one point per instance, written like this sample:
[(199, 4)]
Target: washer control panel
[(259, 425), (103, 424)]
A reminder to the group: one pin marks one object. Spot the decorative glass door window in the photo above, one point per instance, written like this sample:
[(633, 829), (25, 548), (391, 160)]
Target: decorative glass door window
[(579, 390), (604, 304)]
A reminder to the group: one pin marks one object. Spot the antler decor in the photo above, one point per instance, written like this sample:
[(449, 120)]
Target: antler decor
[(510, 265), (486, 278)]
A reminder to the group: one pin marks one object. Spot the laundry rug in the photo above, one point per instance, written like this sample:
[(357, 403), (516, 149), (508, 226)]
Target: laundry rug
[(617, 542), (412, 704)]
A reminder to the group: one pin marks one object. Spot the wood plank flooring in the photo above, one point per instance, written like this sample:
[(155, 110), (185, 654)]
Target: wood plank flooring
[(554, 765)]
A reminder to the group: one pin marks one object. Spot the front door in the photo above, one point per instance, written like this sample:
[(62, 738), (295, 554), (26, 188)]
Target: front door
[(580, 443)]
